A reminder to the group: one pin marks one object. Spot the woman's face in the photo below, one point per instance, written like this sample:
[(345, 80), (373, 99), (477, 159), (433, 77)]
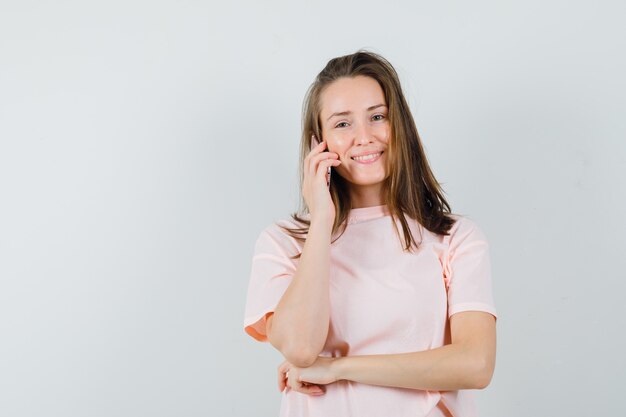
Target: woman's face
[(354, 122)]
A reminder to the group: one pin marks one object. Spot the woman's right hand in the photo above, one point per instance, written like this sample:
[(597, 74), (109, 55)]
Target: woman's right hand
[(314, 186)]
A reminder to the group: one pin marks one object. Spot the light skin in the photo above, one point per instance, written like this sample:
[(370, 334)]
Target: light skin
[(365, 128), (468, 361)]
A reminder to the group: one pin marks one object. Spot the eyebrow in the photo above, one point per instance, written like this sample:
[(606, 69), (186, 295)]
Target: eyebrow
[(345, 113)]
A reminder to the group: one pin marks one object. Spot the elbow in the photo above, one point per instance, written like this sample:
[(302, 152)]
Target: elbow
[(296, 355), (483, 374), (302, 358), (299, 354), (482, 382)]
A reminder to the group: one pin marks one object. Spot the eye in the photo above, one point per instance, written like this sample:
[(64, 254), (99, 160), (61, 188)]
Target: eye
[(339, 124), (382, 116)]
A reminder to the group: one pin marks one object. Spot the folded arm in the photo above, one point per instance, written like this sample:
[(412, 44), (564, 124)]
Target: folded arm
[(467, 362)]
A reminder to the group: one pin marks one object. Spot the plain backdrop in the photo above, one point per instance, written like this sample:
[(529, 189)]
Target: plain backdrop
[(145, 144)]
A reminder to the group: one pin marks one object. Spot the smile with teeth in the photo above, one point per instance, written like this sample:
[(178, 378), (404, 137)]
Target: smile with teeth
[(367, 158)]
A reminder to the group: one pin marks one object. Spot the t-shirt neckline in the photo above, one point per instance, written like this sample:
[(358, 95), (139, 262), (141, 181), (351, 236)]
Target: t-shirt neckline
[(361, 214)]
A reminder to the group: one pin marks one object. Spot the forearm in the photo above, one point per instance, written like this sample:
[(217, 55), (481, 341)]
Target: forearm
[(450, 367), (300, 323)]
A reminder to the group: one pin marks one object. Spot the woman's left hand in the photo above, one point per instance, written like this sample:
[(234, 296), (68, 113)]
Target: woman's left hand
[(300, 379)]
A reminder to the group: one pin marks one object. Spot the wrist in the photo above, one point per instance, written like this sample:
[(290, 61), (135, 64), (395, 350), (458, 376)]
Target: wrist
[(321, 223), (339, 366)]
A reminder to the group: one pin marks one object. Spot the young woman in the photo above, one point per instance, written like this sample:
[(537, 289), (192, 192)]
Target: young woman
[(370, 320)]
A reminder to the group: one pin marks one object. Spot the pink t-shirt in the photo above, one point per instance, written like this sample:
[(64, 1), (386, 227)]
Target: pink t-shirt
[(382, 300)]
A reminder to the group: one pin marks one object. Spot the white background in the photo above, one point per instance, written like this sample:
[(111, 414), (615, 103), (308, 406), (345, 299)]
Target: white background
[(145, 144)]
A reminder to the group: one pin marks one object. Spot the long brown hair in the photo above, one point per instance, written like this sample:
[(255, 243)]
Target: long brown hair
[(411, 188)]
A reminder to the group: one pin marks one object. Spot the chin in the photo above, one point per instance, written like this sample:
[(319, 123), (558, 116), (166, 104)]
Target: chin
[(367, 181)]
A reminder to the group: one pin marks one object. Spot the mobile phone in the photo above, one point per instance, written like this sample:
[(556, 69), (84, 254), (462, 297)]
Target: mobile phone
[(315, 142)]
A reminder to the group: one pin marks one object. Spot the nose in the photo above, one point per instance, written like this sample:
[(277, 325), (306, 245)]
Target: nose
[(363, 136)]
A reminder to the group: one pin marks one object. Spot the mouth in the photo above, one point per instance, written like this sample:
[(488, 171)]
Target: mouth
[(367, 159)]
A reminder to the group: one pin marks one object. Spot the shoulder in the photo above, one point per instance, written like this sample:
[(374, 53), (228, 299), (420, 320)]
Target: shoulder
[(274, 235), (464, 228), (278, 228)]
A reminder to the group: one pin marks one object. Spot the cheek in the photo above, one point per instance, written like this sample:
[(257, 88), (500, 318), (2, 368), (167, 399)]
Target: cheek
[(331, 136), (337, 142), (385, 133)]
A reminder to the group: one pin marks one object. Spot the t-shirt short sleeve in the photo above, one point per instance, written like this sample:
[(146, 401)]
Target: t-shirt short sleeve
[(467, 269), (271, 273)]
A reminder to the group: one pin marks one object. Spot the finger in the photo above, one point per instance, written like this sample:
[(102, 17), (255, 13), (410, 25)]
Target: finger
[(314, 142), (322, 168), (282, 379), (310, 389), (318, 153), (307, 388), (315, 150), (314, 157), (323, 157), (282, 375), (293, 381), (322, 163)]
